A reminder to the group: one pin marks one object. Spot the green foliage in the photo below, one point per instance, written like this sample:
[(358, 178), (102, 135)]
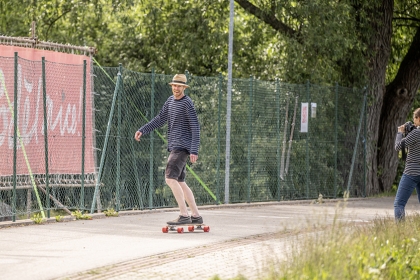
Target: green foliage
[(326, 42), (38, 219), (170, 36), (80, 216), (329, 43)]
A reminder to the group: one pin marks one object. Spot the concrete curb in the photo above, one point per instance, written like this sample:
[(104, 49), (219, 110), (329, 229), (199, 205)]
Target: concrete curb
[(28, 222)]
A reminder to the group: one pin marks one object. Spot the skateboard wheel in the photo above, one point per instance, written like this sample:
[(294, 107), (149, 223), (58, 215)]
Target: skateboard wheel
[(180, 230), (206, 229), (165, 229), (191, 228)]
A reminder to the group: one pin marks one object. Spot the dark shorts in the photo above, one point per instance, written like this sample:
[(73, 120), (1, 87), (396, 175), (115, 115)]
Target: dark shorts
[(175, 168)]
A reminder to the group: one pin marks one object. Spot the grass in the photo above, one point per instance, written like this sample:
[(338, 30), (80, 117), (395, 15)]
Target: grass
[(382, 250)]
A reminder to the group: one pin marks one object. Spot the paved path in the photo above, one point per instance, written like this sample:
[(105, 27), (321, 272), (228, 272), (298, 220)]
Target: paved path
[(243, 239)]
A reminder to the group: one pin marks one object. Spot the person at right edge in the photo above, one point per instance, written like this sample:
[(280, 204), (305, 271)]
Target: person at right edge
[(410, 179)]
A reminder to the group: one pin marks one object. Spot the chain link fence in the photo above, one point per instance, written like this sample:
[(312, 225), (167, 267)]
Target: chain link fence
[(271, 159), (287, 142)]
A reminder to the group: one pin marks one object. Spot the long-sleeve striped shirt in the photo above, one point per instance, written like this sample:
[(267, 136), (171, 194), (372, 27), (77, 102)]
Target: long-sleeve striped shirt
[(183, 126), (412, 141)]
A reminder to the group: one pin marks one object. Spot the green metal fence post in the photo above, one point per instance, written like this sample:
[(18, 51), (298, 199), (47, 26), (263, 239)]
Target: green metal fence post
[(140, 190), (152, 115), (307, 140), (364, 150), (44, 97), (277, 91), (336, 141), (362, 113), (82, 192), (108, 129), (14, 112), (219, 131), (118, 179), (249, 137), (138, 184), (15, 92)]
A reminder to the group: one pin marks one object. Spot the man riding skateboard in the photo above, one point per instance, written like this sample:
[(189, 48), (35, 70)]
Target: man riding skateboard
[(183, 141)]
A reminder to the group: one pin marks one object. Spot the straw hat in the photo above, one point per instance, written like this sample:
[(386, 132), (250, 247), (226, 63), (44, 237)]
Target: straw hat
[(179, 79)]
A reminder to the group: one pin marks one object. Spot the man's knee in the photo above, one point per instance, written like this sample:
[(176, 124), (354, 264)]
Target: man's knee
[(170, 181)]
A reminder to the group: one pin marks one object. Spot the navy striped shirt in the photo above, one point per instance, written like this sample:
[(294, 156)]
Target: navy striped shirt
[(183, 126), (412, 141)]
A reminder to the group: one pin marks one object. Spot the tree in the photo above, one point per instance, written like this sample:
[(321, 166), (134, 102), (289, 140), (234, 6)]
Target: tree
[(174, 37), (401, 91), (372, 34), (355, 43)]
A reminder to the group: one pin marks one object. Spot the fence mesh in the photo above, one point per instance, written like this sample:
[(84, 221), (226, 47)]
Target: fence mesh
[(271, 159)]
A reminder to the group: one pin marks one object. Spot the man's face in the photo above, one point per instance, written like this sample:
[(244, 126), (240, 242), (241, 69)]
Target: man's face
[(178, 91)]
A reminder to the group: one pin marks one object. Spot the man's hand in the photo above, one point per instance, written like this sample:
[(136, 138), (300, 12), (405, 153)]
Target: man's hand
[(193, 158), (401, 128), (138, 135)]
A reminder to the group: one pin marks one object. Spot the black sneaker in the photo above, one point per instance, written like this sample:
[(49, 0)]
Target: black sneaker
[(196, 220), (180, 220)]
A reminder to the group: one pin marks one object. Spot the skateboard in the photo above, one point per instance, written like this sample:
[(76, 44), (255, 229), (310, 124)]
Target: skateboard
[(180, 228)]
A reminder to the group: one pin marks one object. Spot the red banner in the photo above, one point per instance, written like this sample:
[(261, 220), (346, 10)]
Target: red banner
[(64, 110)]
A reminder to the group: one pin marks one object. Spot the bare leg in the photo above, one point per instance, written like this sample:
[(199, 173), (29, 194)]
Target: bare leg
[(189, 197), (178, 192)]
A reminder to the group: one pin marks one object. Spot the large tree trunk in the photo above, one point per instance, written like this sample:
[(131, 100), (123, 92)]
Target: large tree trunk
[(398, 101), (380, 43)]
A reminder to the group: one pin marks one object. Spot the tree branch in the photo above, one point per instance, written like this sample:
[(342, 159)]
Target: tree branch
[(269, 18), (50, 23), (407, 18), (409, 71)]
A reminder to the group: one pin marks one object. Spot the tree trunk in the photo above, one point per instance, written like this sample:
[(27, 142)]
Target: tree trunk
[(380, 43), (398, 100)]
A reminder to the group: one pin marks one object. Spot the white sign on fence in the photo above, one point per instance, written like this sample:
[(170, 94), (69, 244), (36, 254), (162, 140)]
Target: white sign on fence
[(304, 118)]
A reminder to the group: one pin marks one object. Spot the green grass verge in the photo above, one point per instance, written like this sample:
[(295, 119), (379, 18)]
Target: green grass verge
[(382, 250)]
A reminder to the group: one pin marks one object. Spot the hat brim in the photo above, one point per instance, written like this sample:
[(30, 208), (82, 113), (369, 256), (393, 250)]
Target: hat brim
[(181, 84)]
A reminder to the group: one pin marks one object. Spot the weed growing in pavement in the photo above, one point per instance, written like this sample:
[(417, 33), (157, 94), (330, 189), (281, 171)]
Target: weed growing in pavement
[(38, 219), (110, 212), (59, 218), (80, 216)]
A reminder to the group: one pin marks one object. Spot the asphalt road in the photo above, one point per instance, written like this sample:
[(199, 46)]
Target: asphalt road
[(243, 239)]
